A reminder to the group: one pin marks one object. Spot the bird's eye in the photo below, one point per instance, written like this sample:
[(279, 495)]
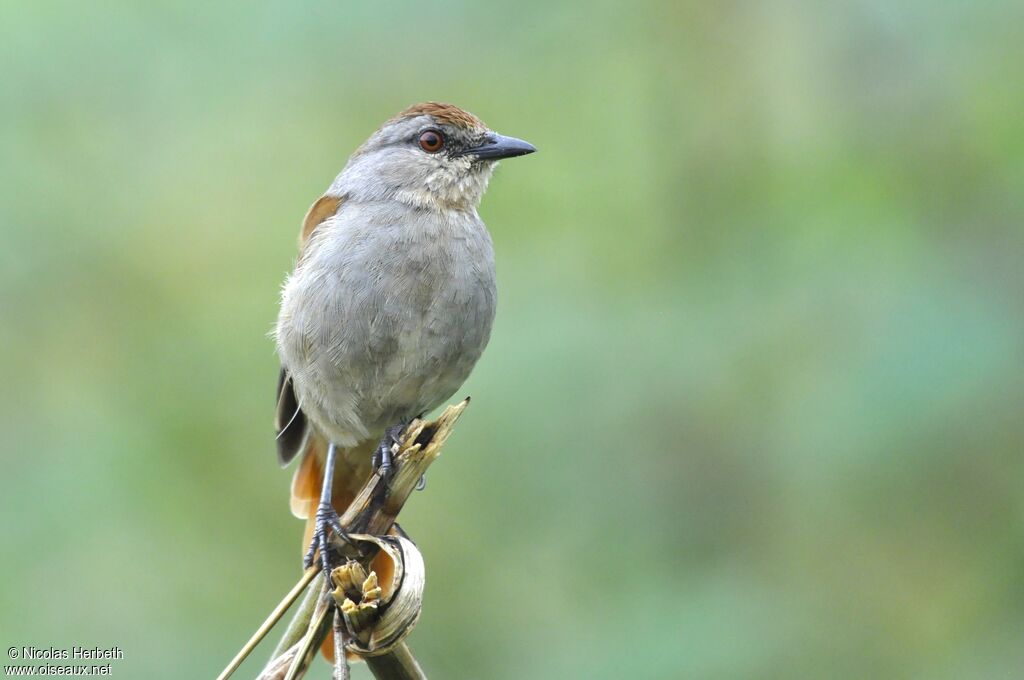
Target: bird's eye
[(431, 141)]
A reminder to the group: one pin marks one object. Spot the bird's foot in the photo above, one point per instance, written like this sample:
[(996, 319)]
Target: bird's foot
[(327, 520), (383, 457)]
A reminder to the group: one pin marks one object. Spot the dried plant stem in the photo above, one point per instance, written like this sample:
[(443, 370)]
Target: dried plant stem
[(272, 619), (300, 619), (398, 664), (378, 503), (315, 635), (374, 512), (341, 669), (280, 664)]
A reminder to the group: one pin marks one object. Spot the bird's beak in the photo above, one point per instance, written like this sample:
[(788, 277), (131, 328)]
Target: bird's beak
[(497, 146)]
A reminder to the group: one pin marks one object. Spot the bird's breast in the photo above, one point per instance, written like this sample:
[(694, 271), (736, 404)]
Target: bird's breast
[(387, 316)]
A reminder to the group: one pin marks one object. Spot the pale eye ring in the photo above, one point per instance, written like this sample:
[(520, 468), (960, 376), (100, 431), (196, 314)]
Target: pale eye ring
[(431, 141)]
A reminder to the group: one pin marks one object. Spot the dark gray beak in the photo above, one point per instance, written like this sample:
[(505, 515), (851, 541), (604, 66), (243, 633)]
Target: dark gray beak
[(497, 146)]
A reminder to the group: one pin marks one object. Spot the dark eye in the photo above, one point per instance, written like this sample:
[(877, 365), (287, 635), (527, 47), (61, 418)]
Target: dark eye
[(431, 141)]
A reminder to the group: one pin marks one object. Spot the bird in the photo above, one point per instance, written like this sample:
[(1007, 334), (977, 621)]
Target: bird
[(389, 306)]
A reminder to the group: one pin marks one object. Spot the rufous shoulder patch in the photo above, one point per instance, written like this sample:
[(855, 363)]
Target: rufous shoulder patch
[(446, 114), (324, 207)]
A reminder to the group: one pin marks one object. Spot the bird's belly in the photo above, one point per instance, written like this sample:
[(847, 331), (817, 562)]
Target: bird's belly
[(375, 345), (381, 374), (426, 369)]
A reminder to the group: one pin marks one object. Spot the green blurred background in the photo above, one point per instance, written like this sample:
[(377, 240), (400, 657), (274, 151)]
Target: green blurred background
[(754, 403)]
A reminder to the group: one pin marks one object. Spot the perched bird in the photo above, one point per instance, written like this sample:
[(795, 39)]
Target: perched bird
[(389, 306)]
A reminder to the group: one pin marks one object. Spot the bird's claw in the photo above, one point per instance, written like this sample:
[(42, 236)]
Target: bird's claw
[(384, 455), (327, 520)]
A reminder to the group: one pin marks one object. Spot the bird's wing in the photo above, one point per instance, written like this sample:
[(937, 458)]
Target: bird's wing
[(290, 422)]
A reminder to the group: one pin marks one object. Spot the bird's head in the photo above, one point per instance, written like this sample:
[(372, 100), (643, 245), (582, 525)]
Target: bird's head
[(430, 156)]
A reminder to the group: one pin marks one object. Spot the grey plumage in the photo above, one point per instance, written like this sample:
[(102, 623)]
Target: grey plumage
[(393, 296), (385, 315)]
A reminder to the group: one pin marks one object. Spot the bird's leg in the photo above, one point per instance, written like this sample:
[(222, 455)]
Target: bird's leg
[(421, 484), (383, 455), (326, 519)]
